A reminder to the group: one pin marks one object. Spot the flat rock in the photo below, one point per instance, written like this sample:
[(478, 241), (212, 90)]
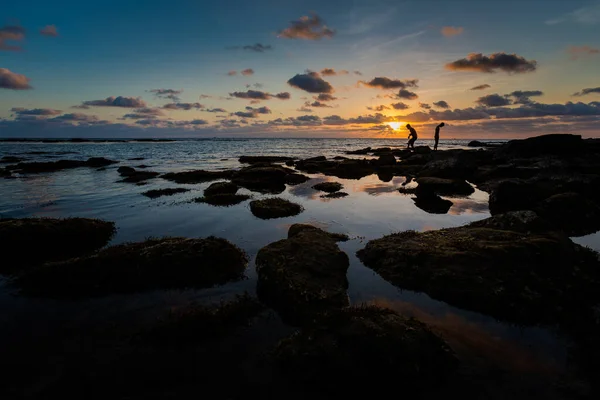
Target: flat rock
[(31, 241), (274, 208), (444, 187), (263, 159), (223, 199), (519, 276), (336, 195), (297, 229), (97, 162), (153, 194), (303, 275), (263, 178), (197, 176), (329, 187), (169, 263), (296, 179), (139, 176)]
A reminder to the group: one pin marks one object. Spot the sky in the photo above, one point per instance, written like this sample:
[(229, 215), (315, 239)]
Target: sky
[(274, 68)]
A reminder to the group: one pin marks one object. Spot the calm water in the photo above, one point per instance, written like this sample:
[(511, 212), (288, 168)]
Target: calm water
[(373, 209)]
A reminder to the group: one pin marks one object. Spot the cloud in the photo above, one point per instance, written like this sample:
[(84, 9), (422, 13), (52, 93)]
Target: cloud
[(493, 100), (247, 72), (585, 91), (304, 109), (183, 106), (13, 33), (407, 94), (523, 96), (586, 16), (215, 110), (232, 73), (303, 120), (42, 112), (283, 96), (357, 73), (425, 106), (324, 97), (441, 104), (449, 31), (257, 47), (12, 80), (308, 28), (76, 117), (362, 119), (260, 95), (252, 112), (333, 72), (316, 104), (120, 101), (400, 106), (172, 94), (578, 51), (481, 87), (49, 30), (477, 62), (311, 83), (144, 113), (387, 83), (378, 108), (82, 107), (206, 96)]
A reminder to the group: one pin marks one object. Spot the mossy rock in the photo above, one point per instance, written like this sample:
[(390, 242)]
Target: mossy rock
[(274, 208), (525, 277), (197, 176), (169, 263), (223, 200), (32, 241), (303, 275), (364, 350), (221, 188), (329, 187), (153, 194)]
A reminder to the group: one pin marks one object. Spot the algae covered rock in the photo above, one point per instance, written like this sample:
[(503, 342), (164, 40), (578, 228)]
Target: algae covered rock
[(274, 208), (31, 241), (304, 274), (169, 263), (364, 350), (221, 188)]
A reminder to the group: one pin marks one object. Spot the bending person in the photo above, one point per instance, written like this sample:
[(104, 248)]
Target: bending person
[(437, 135), (412, 137)]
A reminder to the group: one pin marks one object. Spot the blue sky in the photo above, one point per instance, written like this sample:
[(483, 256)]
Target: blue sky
[(126, 49)]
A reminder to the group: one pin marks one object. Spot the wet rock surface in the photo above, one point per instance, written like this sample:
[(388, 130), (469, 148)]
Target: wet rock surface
[(364, 349), (156, 193), (304, 274), (521, 275), (328, 187), (134, 267), (30, 241), (274, 208)]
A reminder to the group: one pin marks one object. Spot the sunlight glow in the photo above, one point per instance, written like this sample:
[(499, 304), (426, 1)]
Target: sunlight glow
[(395, 125)]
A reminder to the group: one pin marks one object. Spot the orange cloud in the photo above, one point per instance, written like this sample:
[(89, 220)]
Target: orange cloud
[(449, 31)]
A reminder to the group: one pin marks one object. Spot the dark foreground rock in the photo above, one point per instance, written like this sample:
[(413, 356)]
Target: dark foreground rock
[(31, 241), (267, 178), (329, 187), (444, 187), (153, 194), (274, 208), (263, 159), (221, 188), (170, 263), (364, 350), (516, 275), (304, 274), (97, 162), (197, 176), (572, 213), (223, 199)]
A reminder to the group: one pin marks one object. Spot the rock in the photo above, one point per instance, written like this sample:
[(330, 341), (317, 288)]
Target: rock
[(477, 143), (380, 150), (366, 150), (10, 159), (197, 176), (221, 188), (139, 176), (315, 159), (302, 275), (290, 163), (5, 173), (514, 195), (31, 241), (352, 169), (274, 208), (404, 190), (573, 213), (555, 144), (422, 150), (444, 187), (47, 166), (153, 194), (344, 352), (416, 159), (97, 162), (262, 179), (336, 195), (223, 199), (169, 263), (296, 179), (432, 203), (142, 166), (516, 221), (329, 187), (385, 174), (516, 276), (136, 159), (263, 159), (297, 229), (385, 159), (338, 158), (126, 171)]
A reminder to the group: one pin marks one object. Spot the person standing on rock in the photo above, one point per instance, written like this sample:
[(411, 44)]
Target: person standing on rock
[(437, 135), (412, 137)]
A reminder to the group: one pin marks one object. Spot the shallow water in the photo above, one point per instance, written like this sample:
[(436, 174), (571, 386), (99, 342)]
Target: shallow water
[(374, 208)]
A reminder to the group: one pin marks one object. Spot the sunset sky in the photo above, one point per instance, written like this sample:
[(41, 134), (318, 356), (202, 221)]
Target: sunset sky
[(273, 68)]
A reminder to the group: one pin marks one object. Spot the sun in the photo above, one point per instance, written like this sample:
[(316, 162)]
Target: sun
[(395, 125)]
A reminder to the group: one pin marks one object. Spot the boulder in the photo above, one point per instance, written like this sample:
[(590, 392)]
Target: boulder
[(169, 263), (153, 194), (385, 159), (290, 163), (126, 171), (328, 187), (444, 187), (573, 213), (303, 275), (221, 188), (274, 208), (97, 162), (197, 176), (364, 349), (525, 276), (263, 159), (422, 150), (32, 241), (223, 199)]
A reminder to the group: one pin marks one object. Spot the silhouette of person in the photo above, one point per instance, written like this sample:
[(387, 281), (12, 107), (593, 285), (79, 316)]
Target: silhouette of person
[(437, 134), (412, 137)]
